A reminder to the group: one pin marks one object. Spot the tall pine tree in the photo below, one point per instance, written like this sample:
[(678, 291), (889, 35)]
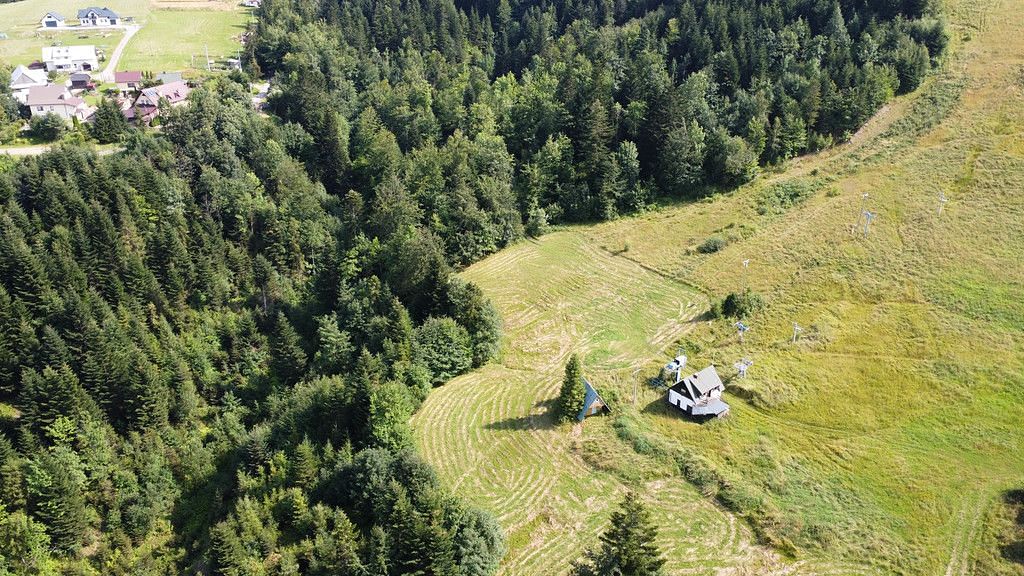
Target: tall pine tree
[(570, 399), (628, 547)]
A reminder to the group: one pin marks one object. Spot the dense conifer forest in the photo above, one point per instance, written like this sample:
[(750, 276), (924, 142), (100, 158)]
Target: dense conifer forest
[(211, 343)]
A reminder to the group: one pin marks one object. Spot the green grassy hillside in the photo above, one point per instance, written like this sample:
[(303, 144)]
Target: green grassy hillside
[(874, 444)]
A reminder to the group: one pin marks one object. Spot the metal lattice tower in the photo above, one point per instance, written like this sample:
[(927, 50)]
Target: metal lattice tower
[(869, 217)]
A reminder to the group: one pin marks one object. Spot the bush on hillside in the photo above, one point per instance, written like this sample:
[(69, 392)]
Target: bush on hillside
[(712, 245), (738, 305)]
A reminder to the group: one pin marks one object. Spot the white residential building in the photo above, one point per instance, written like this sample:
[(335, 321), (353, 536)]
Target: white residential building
[(98, 17), (70, 58), (24, 78)]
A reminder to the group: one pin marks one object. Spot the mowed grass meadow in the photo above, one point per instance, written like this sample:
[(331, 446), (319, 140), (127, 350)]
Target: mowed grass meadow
[(171, 33), (178, 39), (878, 443)]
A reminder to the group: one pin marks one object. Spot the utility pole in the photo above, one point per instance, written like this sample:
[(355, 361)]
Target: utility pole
[(796, 330), (635, 385), (860, 213), (746, 264), (206, 47), (942, 201)]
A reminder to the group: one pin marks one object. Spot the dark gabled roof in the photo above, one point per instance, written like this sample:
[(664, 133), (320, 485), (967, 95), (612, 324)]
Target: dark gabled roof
[(588, 400), (53, 15), (105, 12)]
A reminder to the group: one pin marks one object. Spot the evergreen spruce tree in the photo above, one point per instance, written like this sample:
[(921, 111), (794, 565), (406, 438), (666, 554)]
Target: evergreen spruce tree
[(108, 123), (55, 483), (628, 546), (570, 399), (288, 360)]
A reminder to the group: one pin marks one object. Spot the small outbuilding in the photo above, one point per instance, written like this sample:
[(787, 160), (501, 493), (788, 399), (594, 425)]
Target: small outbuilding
[(592, 402), (699, 394), (52, 20), (81, 81)]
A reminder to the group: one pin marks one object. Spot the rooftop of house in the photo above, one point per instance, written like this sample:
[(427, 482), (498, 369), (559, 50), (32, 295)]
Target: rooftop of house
[(703, 382), (706, 380), (715, 407), (133, 76), (101, 12), (86, 52), (53, 15), (168, 77), (173, 92), (23, 75), (51, 94)]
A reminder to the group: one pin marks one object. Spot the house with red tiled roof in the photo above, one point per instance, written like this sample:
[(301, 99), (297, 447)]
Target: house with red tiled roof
[(128, 82)]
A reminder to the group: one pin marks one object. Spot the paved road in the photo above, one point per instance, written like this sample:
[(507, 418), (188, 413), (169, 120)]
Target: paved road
[(107, 75)]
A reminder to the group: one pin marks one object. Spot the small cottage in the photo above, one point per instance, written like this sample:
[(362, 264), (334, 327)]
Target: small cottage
[(699, 394), (52, 20), (592, 402)]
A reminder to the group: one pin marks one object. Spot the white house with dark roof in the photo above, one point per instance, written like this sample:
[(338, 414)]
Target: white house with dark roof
[(23, 78), (70, 58), (93, 16), (52, 20), (55, 99), (699, 394)]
